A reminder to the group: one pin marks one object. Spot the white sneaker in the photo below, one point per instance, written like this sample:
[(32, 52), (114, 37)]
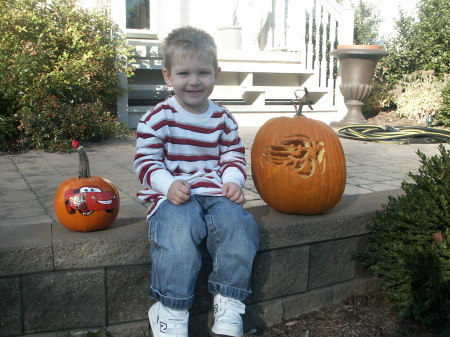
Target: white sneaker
[(165, 322), (227, 315)]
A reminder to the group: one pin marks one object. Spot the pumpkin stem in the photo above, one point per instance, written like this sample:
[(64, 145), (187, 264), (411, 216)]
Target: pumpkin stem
[(83, 168)]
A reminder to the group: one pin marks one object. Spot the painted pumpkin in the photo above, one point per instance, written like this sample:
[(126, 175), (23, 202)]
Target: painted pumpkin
[(298, 165), (86, 203)]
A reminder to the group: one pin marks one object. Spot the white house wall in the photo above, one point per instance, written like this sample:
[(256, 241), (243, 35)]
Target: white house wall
[(277, 27), (266, 24)]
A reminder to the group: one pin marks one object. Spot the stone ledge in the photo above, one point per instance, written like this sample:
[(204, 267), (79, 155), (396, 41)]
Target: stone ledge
[(51, 247), (53, 279)]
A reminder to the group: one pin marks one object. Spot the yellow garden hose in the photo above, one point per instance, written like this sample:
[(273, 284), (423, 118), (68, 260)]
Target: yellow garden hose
[(396, 134)]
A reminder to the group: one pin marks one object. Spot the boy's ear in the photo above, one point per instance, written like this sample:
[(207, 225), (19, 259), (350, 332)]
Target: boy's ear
[(217, 73), (167, 77)]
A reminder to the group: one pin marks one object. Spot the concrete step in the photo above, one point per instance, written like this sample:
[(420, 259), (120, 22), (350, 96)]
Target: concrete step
[(255, 115)]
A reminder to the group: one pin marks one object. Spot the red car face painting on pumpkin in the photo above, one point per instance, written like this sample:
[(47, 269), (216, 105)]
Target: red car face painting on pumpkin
[(88, 199)]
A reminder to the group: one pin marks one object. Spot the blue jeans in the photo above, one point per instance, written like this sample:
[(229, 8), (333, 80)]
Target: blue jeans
[(175, 235)]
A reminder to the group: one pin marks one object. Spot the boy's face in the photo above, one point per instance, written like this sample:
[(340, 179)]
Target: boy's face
[(192, 78)]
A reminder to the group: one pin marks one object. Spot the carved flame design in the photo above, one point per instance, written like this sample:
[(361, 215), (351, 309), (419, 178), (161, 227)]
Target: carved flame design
[(299, 151)]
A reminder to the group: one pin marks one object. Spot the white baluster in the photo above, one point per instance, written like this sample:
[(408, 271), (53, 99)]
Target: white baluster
[(310, 56), (331, 80), (323, 61), (317, 43)]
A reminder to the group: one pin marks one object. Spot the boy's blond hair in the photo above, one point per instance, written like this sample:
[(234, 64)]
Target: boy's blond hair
[(190, 41)]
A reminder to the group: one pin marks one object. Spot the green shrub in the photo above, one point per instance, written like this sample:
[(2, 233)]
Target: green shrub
[(409, 245), (52, 124), (9, 133), (382, 95), (444, 114), (419, 95), (57, 49)]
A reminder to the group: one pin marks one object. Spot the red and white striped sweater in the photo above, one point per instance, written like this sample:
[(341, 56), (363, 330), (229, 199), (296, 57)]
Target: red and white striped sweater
[(203, 149)]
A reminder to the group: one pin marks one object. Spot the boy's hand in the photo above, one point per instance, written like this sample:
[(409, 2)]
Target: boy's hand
[(179, 192), (233, 192)]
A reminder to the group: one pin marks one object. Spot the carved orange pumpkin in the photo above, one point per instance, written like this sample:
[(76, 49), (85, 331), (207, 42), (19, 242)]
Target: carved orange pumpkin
[(298, 165), (86, 203)]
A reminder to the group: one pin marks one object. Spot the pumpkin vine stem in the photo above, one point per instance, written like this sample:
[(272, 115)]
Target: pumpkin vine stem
[(83, 168)]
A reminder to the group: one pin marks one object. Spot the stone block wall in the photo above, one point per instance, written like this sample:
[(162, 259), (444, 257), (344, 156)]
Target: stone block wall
[(85, 281)]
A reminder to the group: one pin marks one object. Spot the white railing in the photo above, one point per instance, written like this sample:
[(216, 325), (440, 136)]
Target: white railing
[(314, 28)]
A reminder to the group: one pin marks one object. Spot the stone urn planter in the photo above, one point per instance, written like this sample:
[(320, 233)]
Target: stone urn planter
[(357, 65)]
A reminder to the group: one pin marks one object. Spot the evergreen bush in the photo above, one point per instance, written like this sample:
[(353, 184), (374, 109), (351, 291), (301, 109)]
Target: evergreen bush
[(409, 245)]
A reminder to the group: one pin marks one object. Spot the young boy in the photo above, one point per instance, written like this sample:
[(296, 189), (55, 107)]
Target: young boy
[(192, 163)]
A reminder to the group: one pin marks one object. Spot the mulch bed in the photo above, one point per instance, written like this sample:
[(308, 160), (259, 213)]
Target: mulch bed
[(363, 315)]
